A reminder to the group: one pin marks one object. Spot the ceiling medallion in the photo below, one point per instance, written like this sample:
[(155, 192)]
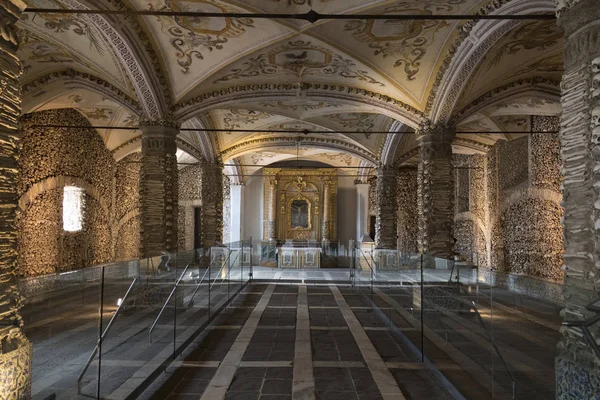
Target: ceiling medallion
[(300, 58)]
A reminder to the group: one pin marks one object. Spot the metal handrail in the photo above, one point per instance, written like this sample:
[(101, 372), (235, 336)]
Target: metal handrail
[(368, 263), (229, 269), (166, 302), (101, 338), (512, 376), (201, 280), (197, 287), (221, 269)]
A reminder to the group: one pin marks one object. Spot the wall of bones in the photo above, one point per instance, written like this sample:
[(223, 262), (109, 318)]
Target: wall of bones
[(508, 204)]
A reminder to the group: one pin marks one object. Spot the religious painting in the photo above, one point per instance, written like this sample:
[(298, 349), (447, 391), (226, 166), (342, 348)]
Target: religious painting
[(299, 212)]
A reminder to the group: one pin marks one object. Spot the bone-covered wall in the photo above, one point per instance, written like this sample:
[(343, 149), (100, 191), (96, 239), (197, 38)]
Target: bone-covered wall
[(127, 207), (52, 158), (508, 212), (470, 229), (190, 196)]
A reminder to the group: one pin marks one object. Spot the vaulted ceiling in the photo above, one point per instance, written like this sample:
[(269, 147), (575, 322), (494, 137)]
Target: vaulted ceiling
[(346, 81)]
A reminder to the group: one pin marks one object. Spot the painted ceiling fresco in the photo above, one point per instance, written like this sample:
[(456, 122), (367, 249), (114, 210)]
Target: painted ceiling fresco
[(364, 76)]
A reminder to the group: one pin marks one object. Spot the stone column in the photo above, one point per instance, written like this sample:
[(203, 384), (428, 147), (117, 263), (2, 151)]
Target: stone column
[(15, 349), (159, 188), (577, 371), (408, 230), (386, 233), (362, 210), (211, 223), (270, 209), (436, 190), (237, 212)]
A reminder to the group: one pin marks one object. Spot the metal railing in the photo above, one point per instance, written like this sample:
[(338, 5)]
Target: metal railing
[(228, 269), (101, 339), (167, 302)]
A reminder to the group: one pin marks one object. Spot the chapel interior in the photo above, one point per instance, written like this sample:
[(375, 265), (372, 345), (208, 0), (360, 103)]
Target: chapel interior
[(299, 199)]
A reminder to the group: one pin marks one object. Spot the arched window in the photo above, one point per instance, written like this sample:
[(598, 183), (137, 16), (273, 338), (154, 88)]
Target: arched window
[(73, 203)]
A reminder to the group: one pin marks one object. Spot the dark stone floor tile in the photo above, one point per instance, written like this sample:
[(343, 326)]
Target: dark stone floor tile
[(333, 385), (200, 373), (280, 373), (242, 396), (336, 396), (275, 397), (251, 372), (246, 383), (182, 396), (191, 386), (277, 387)]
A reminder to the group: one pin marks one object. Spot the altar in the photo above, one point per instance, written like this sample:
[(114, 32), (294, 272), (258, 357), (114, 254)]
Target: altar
[(294, 257)]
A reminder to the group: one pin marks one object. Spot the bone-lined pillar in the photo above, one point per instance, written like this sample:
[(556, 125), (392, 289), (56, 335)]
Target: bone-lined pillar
[(329, 207), (15, 349), (270, 208), (435, 192), (211, 213), (386, 232), (407, 210), (577, 371), (159, 187)]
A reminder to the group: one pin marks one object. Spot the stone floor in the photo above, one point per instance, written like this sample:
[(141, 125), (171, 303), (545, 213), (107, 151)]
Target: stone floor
[(282, 338), (336, 343)]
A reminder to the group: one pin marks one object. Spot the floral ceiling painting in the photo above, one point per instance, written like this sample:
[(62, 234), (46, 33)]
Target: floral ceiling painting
[(315, 82)]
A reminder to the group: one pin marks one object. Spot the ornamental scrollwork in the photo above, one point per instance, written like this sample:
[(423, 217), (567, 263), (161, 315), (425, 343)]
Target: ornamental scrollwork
[(190, 36), (299, 58), (407, 40)]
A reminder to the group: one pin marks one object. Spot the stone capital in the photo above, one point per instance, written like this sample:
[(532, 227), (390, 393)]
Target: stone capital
[(386, 171), (579, 20), (438, 133), (159, 123)]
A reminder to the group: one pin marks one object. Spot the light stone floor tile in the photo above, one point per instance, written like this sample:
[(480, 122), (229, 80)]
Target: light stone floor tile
[(381, 374), (303, 381), (217, 387)]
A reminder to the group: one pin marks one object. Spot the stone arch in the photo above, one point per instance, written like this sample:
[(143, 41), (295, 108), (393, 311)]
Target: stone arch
[(70, 79), (469, 53), (277, 142), (378, 103)]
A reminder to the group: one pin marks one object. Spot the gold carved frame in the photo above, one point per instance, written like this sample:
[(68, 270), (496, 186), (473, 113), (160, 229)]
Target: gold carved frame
[(289, 213)]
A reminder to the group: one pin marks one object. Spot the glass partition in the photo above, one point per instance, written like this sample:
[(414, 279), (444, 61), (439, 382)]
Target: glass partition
[(152, 309)]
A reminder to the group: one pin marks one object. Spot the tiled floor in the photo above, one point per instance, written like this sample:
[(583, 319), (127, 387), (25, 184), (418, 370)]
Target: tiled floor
[(343, 327), (280, 340)]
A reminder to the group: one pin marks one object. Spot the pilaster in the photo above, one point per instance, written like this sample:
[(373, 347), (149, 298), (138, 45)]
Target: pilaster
[(435, 193), (15, 349), (577, 368), (159, 187), (362, 210), (237, 212), (386, 233), (270, 208)]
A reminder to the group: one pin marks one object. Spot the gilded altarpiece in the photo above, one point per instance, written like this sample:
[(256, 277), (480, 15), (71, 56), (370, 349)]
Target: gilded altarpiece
[(300, 204)]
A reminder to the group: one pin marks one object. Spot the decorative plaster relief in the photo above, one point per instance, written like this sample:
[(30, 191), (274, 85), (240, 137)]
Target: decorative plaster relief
[(300, 58)]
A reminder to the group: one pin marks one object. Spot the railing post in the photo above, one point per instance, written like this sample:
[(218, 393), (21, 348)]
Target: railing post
[(101, 311), (422, 299)]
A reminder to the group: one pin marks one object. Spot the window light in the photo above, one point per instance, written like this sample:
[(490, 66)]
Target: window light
[(73, 200)]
